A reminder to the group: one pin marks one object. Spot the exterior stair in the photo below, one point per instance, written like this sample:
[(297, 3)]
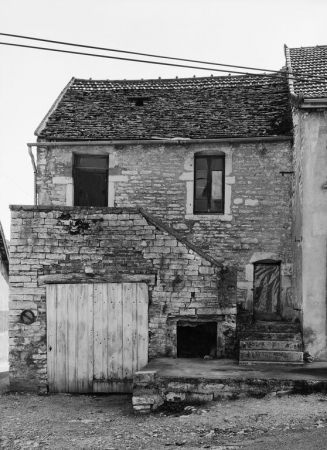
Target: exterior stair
[(264, 342)]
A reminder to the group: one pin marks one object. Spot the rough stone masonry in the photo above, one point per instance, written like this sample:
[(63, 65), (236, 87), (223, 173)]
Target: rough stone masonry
[(68, 241)]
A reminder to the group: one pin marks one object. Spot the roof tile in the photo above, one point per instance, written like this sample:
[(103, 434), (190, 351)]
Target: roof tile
[(306, 61), (206, 107)]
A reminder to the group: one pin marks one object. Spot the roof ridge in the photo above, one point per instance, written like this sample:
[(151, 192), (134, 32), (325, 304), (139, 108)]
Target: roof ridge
[(177, 79), (159, 224), (310, 46)]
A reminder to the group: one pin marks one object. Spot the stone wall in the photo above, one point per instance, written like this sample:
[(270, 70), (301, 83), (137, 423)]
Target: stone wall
[(100, 242), (257, 217)]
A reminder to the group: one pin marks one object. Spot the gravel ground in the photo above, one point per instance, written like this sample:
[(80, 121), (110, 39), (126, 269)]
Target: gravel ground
[(108, 423)]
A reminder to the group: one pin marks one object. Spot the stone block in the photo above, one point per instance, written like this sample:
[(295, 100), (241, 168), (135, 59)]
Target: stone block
[(143, 400), (175, 396), (206, 270), (145, 377)]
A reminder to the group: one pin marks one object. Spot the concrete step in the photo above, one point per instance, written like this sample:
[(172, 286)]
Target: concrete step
[(271, 355), (261, 336), (287, 345), (270, 327)]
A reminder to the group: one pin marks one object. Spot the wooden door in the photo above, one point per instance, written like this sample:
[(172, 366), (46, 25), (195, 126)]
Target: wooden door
[(97, 336), (266, 295)]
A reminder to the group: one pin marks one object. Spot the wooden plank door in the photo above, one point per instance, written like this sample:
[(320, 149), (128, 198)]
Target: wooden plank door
[(266, 295), (69, 334), (97, 336)]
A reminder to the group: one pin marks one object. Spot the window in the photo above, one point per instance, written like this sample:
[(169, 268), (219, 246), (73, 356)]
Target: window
[(209, 184), (90, 180)]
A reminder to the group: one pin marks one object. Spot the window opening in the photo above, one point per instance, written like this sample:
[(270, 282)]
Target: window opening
[(90, 180), (209, 184), (196, 339), (138, 101)]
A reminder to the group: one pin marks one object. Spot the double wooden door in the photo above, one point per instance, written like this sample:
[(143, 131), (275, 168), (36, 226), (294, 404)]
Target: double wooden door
[(97, 336)]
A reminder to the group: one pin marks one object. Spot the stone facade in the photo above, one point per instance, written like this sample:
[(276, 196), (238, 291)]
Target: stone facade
[(203, 263), (102, 242), (159, 178)]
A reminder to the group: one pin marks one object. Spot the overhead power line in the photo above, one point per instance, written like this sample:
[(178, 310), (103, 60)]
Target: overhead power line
[(286, 74), (135, 53), (133, 59), (155, 56)]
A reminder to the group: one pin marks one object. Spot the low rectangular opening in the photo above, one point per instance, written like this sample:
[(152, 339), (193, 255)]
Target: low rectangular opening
[(196, 339)]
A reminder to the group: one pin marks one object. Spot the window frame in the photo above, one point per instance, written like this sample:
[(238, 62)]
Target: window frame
[(209, 159), (89, 169)]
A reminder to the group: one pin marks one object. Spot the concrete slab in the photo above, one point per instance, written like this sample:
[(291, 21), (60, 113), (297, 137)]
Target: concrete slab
[(199, 380), (226, 368)]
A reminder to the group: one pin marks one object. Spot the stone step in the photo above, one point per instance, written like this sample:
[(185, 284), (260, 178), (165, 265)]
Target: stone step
[(256, 363), (270, 327), (271, 355), (287, 345), (258, 336)]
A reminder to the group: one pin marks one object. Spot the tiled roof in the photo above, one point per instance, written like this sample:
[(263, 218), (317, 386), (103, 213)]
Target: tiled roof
[(210, 107), (306, 61)]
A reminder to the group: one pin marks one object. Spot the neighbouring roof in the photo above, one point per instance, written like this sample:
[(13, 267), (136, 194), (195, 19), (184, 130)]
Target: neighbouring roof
[(195, 108), (4, 254), (309, 68)]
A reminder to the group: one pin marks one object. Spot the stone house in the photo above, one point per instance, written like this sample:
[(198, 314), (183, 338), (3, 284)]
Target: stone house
[(4, 297), (308, 87), (162, 227)]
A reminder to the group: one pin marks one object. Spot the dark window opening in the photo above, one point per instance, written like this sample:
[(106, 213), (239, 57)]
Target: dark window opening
[(209, 184), (138, 101), (90, 180), (196, 340)]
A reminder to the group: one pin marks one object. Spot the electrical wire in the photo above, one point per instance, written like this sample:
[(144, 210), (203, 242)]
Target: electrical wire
[(158, 56), (133, 60), (286, 74)]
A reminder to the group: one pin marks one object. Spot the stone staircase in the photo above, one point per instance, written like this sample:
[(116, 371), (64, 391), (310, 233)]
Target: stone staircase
[(263, 342)]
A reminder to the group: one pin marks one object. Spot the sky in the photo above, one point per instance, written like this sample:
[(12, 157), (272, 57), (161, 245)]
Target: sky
[(240, 32)]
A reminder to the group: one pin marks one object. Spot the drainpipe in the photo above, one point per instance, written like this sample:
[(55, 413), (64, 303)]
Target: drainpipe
[(35, 171)]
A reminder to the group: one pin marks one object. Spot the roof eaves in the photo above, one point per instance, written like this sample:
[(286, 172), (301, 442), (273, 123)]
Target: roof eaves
[(53, 108), (309, 103)]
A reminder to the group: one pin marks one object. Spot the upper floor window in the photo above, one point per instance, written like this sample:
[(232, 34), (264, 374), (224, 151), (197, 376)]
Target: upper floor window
[(90, 180), (209, 181)]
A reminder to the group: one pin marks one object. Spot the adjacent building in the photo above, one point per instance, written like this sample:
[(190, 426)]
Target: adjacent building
[(307, 67), (4, 298)]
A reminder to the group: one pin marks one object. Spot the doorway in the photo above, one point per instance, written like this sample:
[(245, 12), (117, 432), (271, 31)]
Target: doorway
[(266, 290)]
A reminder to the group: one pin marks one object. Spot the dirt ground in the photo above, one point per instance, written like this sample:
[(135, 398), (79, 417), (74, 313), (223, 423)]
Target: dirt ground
[(108, 423)]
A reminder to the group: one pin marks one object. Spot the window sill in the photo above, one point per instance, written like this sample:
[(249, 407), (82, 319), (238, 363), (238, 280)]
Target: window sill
[(217, 217)]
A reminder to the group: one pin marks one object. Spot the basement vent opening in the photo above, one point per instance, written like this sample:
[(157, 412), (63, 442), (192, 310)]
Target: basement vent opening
[(196, 339)]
